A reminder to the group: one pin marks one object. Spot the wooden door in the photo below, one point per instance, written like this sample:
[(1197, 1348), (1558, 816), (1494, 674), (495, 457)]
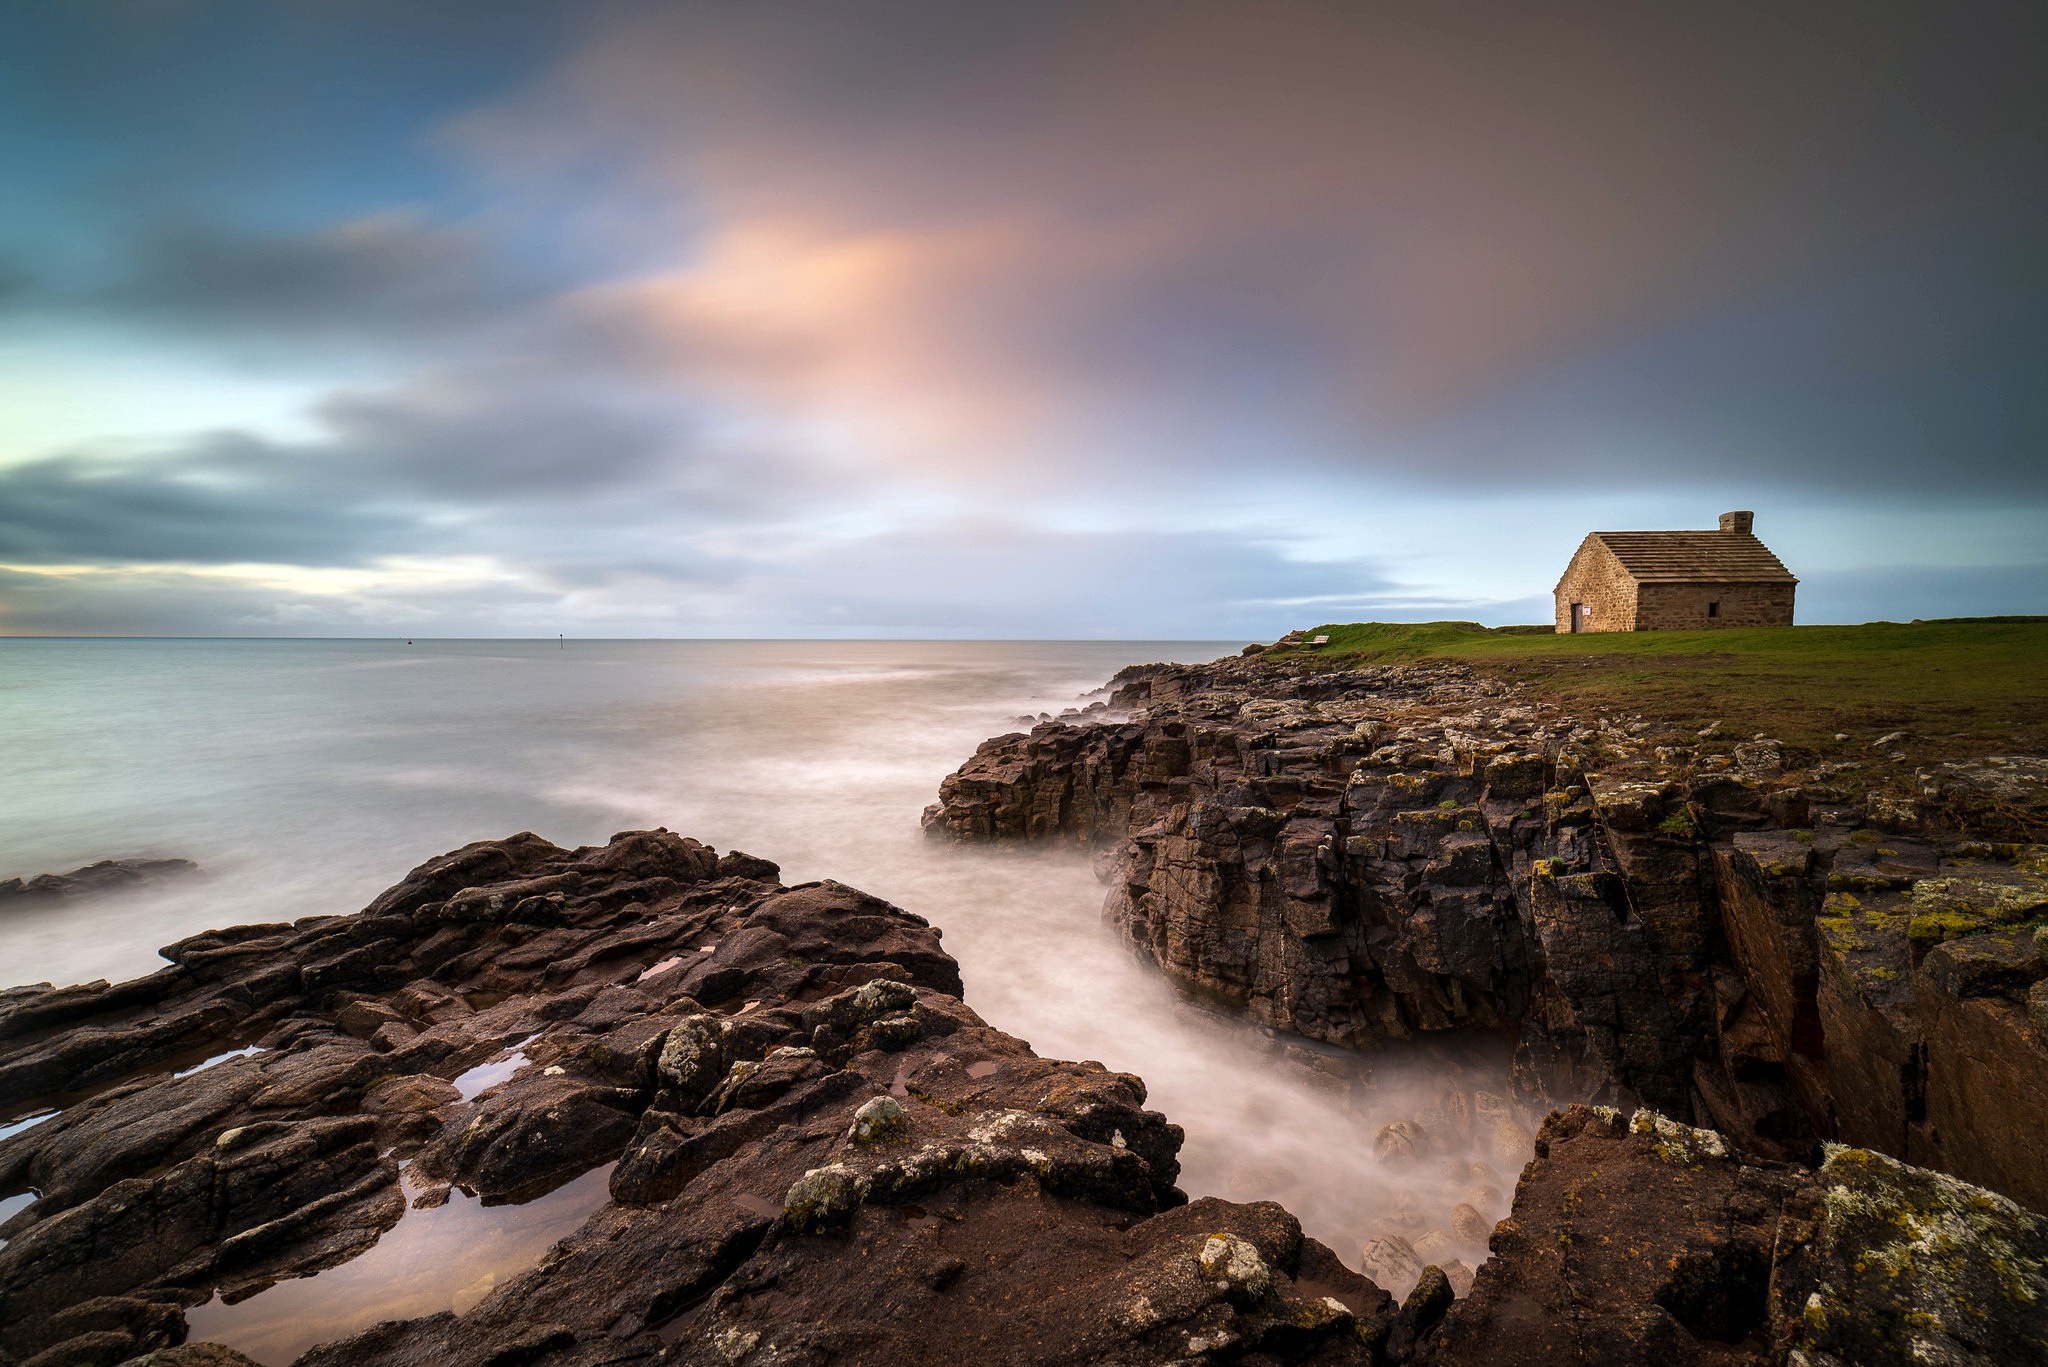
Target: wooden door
[(1578, 617)]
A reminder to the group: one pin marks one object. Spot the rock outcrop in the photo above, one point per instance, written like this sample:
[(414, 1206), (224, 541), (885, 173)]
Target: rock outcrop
[(1638, 1239), (770, 1132), (799, 1144), (1359, 855), (109, 875)]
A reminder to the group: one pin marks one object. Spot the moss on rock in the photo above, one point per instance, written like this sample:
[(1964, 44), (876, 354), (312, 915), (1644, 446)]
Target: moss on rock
[(823, 1198), (1915, 1266)]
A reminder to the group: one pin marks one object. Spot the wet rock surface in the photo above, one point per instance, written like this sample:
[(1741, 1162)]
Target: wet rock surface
[(796, 1144), (811, 1149), (108, 875), (1367, 855)]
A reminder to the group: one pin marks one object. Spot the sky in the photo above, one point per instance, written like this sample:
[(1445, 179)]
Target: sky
[(1160, 319)]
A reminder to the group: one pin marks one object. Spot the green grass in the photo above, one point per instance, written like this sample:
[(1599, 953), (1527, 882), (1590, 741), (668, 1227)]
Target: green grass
[(1962, 688)]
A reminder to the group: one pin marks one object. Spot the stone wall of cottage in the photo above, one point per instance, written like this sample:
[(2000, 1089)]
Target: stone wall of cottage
[(1673, 607), (1597, 579)]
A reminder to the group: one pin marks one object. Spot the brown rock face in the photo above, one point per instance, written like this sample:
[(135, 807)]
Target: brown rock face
[(1983, 1017), (1932, 1009), (768, 1131), (1631, 1246), (1364, 855), (1638, 1240), (799, 1145)]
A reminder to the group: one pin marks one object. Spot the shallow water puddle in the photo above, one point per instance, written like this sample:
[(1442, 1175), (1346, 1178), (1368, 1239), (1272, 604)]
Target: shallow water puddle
[(15, 1127), (14, 1205), (485, 1076), (758, 1205), (446, 1258), (203, 1065)]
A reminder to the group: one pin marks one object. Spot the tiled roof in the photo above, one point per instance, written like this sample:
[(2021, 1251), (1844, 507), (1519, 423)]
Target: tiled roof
[(1689, 557)]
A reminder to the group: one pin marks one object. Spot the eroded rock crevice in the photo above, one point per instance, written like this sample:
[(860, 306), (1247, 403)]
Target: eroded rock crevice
[(1366, 855)]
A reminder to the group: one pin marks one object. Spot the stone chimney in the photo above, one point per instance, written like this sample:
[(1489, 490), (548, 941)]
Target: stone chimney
[(1737, 522)]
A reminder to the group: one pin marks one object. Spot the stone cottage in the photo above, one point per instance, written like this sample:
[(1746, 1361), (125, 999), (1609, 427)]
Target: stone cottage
[(1651, 581)]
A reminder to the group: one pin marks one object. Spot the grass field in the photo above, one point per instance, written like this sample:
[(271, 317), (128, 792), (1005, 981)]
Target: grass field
[(1961, 688)]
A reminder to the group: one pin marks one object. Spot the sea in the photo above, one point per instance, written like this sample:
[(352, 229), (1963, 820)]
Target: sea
[(305, 776)]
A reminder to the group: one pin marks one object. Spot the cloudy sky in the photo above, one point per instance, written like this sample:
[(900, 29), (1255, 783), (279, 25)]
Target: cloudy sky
[(1112, 318)]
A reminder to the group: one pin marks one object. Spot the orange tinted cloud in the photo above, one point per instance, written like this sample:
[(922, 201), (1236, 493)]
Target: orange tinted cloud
[(986, 223), (860, 328)]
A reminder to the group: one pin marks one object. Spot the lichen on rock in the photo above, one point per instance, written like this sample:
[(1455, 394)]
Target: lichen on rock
[(1678, 1144), (1238, 1266), (878, 1121), (693, 1056), (823, 1198), (1914, 1266)]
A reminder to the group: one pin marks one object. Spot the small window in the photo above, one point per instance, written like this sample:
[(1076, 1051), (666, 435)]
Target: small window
[(1713, 609)]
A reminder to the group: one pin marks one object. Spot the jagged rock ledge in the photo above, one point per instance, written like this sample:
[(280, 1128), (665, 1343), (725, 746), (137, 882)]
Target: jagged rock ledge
[(819, 1152), (813, 1152), (108, 875), (1357, 855)]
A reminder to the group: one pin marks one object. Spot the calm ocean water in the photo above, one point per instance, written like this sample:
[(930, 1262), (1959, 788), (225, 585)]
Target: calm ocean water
[(306, 776)]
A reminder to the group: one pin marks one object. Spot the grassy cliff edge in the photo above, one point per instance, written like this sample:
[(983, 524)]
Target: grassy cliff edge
[(1958, 689)]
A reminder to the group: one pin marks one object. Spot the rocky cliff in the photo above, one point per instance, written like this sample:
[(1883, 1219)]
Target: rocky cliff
[(754, 1124), (1359, 855), (806, 1147), (1636, 1239)]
